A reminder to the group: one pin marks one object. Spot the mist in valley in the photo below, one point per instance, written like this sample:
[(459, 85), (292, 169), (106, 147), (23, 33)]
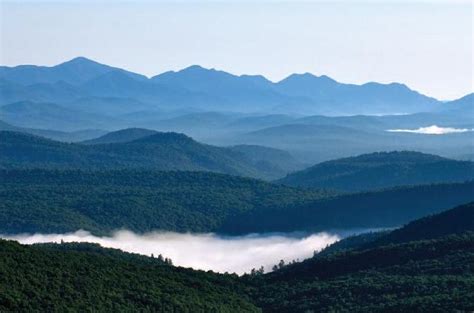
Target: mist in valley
[(209, 251)]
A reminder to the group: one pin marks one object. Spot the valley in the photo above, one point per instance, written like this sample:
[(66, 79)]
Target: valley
[(199, 190)]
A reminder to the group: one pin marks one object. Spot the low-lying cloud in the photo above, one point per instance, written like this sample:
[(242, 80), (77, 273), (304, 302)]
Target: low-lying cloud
[(203, 251), (432, 130)]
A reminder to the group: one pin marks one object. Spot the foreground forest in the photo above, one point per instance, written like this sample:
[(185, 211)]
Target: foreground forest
[(435, 274)]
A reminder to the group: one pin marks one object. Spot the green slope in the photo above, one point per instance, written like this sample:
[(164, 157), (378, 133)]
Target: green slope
[(453, 221), (82, 277), (419, 276), (434, 275), (159, 151), (103, 201), (384, 272), (381, 170), (376, 209)]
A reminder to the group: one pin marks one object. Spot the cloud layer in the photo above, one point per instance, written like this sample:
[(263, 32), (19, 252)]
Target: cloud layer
[(432, 130), (203, 251)]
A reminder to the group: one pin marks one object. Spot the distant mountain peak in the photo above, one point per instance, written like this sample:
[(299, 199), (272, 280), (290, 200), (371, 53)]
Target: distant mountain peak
[(166, 138), (79, 60), (196, 67), (307, 78), (123, 135)]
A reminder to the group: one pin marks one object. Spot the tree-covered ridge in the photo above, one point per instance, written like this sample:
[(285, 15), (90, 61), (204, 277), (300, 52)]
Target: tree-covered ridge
[(381, 170), (79, 277), (141, 201), (103, 201), (123, 135), (377, 209), (419, 276), (158, 151), (453, 221), (424, 266)]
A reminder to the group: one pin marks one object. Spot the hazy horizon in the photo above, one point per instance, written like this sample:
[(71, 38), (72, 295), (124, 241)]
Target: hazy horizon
[(425, 45)]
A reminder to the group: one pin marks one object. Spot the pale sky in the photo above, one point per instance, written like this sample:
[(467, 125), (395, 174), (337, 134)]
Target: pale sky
[(427, 45)]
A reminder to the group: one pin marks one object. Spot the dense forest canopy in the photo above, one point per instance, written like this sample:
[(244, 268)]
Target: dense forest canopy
[(141, 201), (76, 277), (103, 201), (435, 275)]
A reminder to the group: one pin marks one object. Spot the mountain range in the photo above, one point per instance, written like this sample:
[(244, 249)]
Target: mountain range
[(219, 108), (206, 89)]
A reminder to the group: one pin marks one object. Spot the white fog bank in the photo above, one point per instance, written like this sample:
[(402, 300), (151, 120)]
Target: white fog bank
[(237, 254), (432, 130)]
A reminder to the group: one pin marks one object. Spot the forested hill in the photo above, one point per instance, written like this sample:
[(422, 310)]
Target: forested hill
[(417, 276), (457, 220), (124, 135), (399, 272), (381, 170), (379, 209), (63, 201), (141, 201), (453, 221), (158, 151), (78, 277)]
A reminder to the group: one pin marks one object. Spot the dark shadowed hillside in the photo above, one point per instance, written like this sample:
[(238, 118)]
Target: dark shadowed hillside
[(453, 221), (377, 209), (418, 276), (423, 266)]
